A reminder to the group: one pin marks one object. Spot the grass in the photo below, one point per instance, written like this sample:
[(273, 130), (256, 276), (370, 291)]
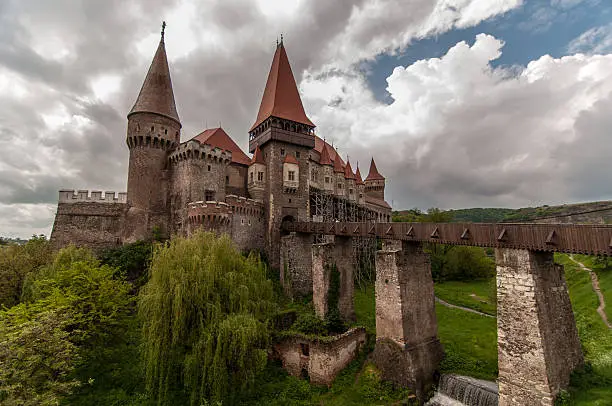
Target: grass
[(604, 275), (593, 386), (477, 295)]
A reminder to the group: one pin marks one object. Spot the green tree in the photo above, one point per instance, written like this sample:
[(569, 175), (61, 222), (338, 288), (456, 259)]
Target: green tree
[(16, 263), (205, 312)]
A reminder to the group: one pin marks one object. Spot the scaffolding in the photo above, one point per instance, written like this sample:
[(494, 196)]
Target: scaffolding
[(325, 207)]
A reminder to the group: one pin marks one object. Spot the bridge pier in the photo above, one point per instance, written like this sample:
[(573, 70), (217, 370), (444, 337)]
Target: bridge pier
[(538, 344), (296, 264), (326, 259), (407, 347)]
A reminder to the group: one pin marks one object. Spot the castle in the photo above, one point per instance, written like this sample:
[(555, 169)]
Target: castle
[(175, 187)]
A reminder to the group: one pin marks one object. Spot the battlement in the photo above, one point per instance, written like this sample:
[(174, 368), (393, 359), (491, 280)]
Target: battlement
[(194, 150), (210, 212), (242, 205), (95, 196)]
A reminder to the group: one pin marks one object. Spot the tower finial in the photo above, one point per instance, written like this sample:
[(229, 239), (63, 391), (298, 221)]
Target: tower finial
[(163, 29), (281, 38)]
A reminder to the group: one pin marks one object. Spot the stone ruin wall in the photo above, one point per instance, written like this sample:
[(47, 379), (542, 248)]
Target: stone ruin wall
[(324, 359), (89, 219), (296, 264)]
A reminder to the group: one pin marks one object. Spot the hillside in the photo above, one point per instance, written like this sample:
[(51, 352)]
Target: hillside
[(590, 212)]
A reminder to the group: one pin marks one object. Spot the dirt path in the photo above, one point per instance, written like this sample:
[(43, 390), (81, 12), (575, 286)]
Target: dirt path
[(595, 285), (467, 309)]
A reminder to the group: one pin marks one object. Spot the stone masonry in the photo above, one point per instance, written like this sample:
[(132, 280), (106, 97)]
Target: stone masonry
[(324, 257), (407, 347), (538, 344)]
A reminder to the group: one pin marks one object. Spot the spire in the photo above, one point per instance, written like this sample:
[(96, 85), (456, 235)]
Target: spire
[(258, 157), (156, 95), (374, 175), (348, 171), (324, 158), (358, 178), (338, 165), (281, 97)]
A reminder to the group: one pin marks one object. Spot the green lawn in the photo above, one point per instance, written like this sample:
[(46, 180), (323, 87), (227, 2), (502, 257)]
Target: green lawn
[(478, 295)]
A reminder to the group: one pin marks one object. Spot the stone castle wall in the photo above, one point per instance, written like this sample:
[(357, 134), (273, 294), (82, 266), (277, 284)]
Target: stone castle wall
[(90, 220)]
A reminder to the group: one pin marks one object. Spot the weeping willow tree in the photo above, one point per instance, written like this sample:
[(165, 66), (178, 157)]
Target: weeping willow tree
[(205, 317)]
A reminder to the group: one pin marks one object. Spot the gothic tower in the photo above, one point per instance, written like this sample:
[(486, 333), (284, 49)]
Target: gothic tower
[(153, 130), (285, 136)]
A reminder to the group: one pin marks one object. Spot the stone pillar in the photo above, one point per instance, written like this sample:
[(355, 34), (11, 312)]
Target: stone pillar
[(407, 347), (296, 264), (324, 258), (538, 344)]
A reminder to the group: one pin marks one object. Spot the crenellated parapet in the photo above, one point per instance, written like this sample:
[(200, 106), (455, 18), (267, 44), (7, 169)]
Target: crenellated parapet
[(244, 206), (211, 213), (193, 150), (95, 196)]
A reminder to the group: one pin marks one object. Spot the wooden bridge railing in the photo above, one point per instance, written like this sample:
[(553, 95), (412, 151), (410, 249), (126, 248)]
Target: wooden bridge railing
[(568, 238)]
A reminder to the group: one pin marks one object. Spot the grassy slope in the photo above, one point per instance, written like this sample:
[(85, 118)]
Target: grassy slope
[(594, 387), (478, 295), (604, 275)]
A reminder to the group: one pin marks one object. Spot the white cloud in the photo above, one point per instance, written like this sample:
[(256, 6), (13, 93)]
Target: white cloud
[(596, 40), (460, 133)]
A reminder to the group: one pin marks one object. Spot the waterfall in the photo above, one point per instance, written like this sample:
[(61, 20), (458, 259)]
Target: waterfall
[(457, 390)]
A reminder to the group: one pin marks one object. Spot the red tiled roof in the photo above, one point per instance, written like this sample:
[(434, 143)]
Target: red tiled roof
[(324, 158), (281, 97), (258, 157), (338, 167), (216, 137), (374, 175), (320, 145), (377, 202), (290, 159), (156, 95), (348, 171), (358, 178)]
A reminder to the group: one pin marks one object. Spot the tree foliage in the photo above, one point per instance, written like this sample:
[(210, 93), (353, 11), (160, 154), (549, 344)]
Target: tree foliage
[(205, 313), (70, 307), (16, 263)]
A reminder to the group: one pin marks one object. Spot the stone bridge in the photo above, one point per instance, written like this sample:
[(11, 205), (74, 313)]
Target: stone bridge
[(538, 344)]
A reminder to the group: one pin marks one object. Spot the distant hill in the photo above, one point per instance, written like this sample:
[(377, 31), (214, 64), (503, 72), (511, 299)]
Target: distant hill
[(591, 213)]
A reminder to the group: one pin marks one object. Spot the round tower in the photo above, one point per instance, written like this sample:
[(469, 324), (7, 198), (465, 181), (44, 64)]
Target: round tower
[(153, 131)]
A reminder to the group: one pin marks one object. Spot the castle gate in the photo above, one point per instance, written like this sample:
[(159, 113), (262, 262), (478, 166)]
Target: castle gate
[(538, 344)]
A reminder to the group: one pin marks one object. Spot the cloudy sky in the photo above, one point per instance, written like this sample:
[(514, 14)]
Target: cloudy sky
[(464, 103)]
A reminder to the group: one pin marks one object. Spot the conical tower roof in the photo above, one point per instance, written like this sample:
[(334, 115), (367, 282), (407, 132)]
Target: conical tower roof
[(258, 157), (156, 95), (348, 171), (324, 158), (338, 167), (281, 97), (374, 175), (358, 178)]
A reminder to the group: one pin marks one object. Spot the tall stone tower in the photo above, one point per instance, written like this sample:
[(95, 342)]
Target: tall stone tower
[(153, 130), (285, 136), (375, 183)]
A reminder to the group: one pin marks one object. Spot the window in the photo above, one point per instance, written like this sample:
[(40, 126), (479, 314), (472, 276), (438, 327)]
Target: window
[(313, 176), (350, 191), (208, 168), (251, 177), (227, 180), (209, 195), (260, 176), (282, 151), (291, 175), (297, 154), (152, 128), (339, 185), (166, 131), (327, 179)]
